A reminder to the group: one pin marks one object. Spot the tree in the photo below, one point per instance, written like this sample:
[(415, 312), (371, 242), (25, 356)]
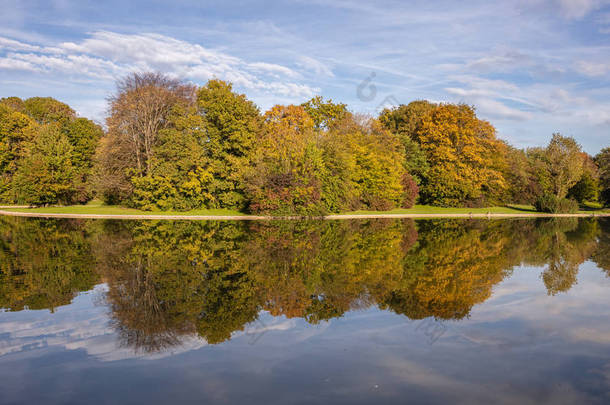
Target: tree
[(559, 166), (22, 120), (325, 113), (16, 130), (286, 177), (47, 175), (139, 109), (602, 159), (466, 160), (587, 188), (232, 126), (45, 110), (379, 174), (521, 187), (404, 121)]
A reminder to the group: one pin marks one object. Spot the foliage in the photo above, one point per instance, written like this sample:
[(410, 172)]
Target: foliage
[(325, 114), (404, 121), (602, 159), (410, 191), (552, 204), (288, 166), (559, 166), (307, 171), (172, 146), (522, 187), (232, 125), (24, 129), (138, 111), (47, 175), (466, 160), (16, 130)]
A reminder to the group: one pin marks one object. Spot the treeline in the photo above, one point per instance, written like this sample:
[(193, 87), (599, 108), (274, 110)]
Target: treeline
[(167, 280), (172, 145)]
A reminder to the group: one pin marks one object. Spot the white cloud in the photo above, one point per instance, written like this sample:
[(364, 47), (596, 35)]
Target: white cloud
[(575, 9), (315, 65), (107, 55), (592, 68)]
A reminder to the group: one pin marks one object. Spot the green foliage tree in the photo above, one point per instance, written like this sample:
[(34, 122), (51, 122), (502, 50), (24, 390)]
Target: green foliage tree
[(23, 122), (325, 113), (44, 263), (602, 159), (47, 175), (404, 121), (559, 166), (232, 126), (16, 130)]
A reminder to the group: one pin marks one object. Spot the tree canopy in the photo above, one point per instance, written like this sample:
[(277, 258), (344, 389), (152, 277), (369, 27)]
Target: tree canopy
[(172, 145)]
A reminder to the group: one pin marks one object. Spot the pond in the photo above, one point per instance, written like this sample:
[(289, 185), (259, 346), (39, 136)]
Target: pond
[(305, 312)]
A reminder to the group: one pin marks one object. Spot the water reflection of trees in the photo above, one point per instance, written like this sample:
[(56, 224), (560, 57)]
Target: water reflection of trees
[(43, 263), (172, 279)]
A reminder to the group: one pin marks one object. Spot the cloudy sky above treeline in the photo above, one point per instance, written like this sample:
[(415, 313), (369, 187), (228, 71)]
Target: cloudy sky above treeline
[(531, 67)]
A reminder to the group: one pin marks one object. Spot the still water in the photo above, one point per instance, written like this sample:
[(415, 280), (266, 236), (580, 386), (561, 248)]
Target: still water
[(355, 312)]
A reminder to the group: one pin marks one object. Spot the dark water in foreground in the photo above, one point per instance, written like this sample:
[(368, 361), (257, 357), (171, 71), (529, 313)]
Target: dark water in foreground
[(377, 311)]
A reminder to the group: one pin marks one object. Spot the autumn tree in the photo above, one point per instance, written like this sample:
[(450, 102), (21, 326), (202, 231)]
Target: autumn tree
[(288, 168), (16, 130), (139, 109), (522, 187), (466, 159)]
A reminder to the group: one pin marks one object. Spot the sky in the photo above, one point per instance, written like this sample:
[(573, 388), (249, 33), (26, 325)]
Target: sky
[(530, 67)]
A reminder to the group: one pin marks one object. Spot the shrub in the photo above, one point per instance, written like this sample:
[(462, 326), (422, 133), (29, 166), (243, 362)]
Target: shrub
[(410, 191), (555, 205)]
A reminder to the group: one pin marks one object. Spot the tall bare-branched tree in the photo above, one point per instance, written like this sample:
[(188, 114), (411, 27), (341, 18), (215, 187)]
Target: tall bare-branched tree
[(137, 112)]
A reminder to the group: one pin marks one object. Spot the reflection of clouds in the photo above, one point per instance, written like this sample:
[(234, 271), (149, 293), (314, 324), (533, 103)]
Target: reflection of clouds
[(80, 325), (524, 314)]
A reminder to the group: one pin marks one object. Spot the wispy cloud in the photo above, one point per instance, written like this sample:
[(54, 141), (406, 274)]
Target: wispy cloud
[(108, 55)]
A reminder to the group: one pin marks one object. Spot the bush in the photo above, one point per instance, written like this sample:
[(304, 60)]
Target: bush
[(410, 191), (555, 205)]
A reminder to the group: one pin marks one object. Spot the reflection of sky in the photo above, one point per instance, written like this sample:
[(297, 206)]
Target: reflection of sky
[(520, 346)]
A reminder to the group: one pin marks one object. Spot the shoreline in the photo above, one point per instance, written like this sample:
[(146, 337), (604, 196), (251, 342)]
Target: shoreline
[(284, 218)]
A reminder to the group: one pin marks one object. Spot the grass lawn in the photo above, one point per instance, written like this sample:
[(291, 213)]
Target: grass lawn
[(96, 207), (427, 209)]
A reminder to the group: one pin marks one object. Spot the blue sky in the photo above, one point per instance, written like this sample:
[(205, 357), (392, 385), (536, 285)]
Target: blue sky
[(531, 67)]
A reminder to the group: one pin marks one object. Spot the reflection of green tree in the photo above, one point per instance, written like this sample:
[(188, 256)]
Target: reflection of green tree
[(602, 254), (562, 245), (43, 263)]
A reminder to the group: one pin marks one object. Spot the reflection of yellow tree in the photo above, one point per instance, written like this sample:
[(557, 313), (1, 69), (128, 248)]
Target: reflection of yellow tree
[(43, 263), (453, 267), (319, 270)]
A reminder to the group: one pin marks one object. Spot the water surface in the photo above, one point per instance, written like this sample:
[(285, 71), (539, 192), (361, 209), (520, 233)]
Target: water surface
[(302, 312)]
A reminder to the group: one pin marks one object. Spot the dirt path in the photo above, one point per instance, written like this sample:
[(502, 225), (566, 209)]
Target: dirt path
[(267, 218)]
